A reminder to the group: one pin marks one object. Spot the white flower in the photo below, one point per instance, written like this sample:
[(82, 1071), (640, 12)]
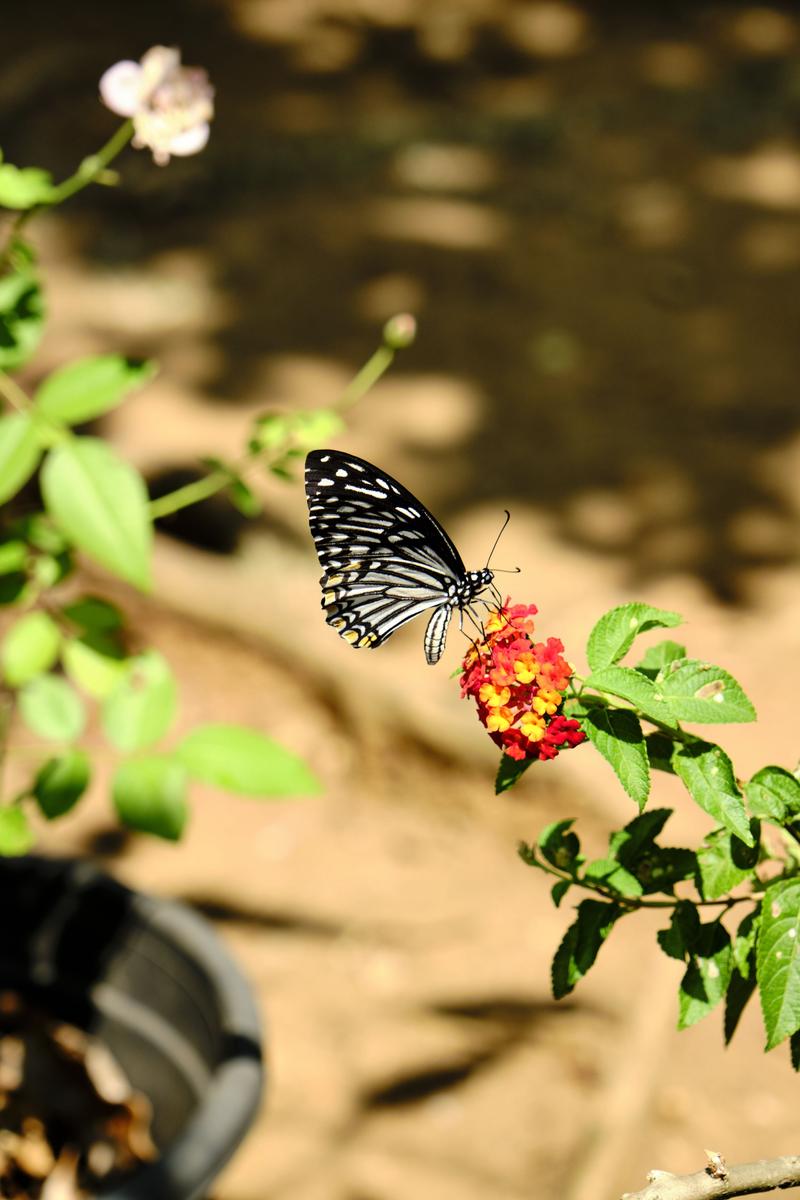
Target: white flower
[(170, 105)]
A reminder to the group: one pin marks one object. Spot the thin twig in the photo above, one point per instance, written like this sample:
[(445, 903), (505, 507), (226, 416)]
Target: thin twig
[(744, 1179)]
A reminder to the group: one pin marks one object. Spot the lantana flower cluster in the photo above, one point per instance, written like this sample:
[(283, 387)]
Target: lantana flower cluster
[(518, 686)]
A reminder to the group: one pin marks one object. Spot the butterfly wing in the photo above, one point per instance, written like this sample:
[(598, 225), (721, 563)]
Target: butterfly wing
[(385, 558)]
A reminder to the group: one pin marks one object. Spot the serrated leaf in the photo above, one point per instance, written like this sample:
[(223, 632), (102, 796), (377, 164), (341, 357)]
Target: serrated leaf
[(90, 387), (778, 960), (627, 844), (774, 794), (96, 674), (617, 735), (659, 656), (707, 975), (614, 634), (740, 989), (723, 861), (60, 782), (661, 867), (631, 685), (142, 706), (682, 932), (21, 318), (29, 648), (149, 794), (707, 773), (20, 451), (700, 692), (559, 890), (508, 772), (559, 846), (244, 760), (101, 504), (611, 874), (660, 749), (24, 187), (16, 836), (581, 943), (50, 707), (744, 943)]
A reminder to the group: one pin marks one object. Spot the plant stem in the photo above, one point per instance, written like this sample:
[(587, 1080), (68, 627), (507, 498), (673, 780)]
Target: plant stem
[(190, 493), (88, 171), (13, 393), (366, 378)]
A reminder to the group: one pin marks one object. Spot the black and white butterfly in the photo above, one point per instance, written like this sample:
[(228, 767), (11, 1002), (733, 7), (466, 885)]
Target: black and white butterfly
[(385, 557)]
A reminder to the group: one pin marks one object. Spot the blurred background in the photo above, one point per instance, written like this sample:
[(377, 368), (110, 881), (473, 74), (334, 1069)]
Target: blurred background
[(593, 210)]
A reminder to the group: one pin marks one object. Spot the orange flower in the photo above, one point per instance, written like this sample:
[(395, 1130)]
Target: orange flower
[(518, 686)]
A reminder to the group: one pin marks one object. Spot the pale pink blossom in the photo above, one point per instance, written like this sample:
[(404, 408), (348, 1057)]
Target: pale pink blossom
[(170, 105)]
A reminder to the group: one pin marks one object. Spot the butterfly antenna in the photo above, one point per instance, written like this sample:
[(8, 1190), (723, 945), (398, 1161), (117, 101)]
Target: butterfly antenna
[(500, 534)]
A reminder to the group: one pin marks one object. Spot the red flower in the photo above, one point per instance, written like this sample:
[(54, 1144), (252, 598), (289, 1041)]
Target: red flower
[(518, 686)]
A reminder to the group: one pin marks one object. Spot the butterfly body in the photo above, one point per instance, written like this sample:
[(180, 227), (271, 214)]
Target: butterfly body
[(385, 558)]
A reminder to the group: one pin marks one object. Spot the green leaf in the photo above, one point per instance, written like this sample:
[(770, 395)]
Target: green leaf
[(21, 318), (244, 498), (660, 749), (559, 890), (617, 735), (744, 943), (24, 187), (90, 387), (559, 846), (707, 774), (774, 794), (740, 989), (100, 502), (29, 648), (51, 708), (794, 1050), (614, 634), (701, 692), (95, 673), (150, 795), (244, 760), (581, 944), (611, 874), (626, 845), (142, 706), (16, 836), (679, 938), (707, 975), (20, 452), (61, 782), (93, 614), (13, 555), (778, 961), (724, 861), (631, 685), (659, 656), (661, 867), (508, 772)]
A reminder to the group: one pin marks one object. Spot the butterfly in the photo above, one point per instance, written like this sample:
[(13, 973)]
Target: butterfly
[(385, 558)]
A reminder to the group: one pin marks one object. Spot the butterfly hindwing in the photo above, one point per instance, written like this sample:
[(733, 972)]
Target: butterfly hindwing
[(385, 557)]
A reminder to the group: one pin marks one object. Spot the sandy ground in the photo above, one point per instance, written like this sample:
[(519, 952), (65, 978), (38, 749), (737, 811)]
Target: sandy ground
[(594, 213)]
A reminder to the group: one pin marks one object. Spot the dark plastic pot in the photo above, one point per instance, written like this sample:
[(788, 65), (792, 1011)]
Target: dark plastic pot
[(153, 981)]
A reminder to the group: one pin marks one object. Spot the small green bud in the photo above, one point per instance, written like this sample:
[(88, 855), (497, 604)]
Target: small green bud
[(400, 331)]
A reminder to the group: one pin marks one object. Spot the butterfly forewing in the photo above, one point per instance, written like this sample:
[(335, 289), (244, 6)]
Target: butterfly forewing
[(385, 557)]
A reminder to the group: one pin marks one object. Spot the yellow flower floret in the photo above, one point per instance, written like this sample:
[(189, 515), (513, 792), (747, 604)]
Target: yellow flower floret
[(532, 726), (493, 696), (499, 720)]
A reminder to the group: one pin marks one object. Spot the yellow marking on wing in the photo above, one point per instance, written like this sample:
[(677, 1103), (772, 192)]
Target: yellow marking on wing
[(368, 639), (353, 565), (328, 597), (338, 623), (351, 636), (332, 580)]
